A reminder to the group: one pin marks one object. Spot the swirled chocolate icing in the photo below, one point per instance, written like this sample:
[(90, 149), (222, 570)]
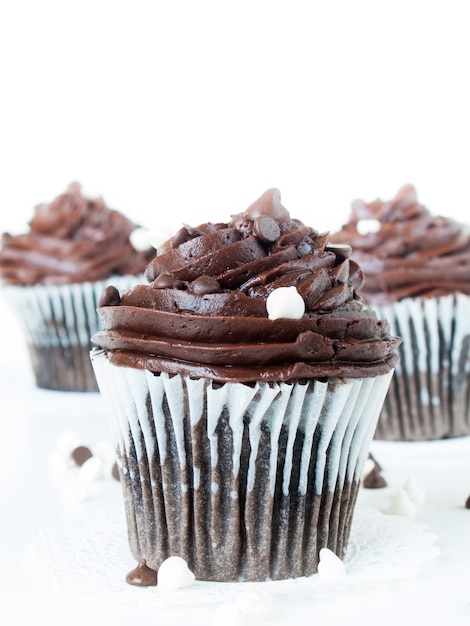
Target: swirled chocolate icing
[(408, 252), (204, 313), (72, 239)]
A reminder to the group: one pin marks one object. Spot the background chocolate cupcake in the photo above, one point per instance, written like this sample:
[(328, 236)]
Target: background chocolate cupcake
[(53, 275), (243, 385), (417, 275)]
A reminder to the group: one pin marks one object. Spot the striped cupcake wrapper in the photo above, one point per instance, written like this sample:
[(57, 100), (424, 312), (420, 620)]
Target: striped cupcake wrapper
[(244, 482), (58, 322), (429, 393)]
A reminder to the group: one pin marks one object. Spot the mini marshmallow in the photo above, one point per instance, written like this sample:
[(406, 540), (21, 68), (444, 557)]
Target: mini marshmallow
[(401, 505), (285, 302), (158, 235), (330, 566), (414, 492), (67, 442), (104, 450), (139, 239), (92, 469), (173, 574), (366, 226), (60, 461)]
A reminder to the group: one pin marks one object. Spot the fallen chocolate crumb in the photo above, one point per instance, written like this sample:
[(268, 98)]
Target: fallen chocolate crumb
[(142, 575)]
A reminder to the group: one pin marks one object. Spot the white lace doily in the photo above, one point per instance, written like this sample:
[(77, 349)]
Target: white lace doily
[(88, 557)]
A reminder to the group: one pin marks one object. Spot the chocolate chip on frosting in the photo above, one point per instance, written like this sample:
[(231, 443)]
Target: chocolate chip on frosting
[(142, 575), (205, 285), (110, 297), (267, 229), (165, 280), (180, 237)]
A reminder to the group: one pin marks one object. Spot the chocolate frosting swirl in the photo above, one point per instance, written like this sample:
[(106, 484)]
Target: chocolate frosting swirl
[(409, 253), (72, 239), (204, 311)]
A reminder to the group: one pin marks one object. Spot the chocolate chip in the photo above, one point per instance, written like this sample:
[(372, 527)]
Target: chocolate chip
[(81, 454), (115, 472), (205, 285), (142, 575), (342, 251), (374, 480), (165, 280), (110, 297), (467, 503), (267, 229), (180, 237)]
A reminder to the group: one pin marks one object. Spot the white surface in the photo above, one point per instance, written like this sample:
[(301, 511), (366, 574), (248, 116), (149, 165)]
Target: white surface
[(435, 588), (191, 109)]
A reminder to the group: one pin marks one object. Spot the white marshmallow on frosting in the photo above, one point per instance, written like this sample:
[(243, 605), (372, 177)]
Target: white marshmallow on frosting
[(139, 239), (174, 574), (286, 303), (366, 226)]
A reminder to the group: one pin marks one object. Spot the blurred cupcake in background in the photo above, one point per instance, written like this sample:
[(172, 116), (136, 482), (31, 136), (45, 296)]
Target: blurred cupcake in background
[(417, 275), (53, 275)]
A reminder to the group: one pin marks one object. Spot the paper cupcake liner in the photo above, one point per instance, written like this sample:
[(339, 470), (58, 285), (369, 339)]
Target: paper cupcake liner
[(58, 321), (429, 393), (244, 482)]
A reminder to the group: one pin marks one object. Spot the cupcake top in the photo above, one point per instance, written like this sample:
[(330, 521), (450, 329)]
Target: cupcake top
[(259, 298), (71, 240), (405, 251)]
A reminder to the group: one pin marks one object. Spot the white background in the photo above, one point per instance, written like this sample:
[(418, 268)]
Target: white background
[(188, 110)]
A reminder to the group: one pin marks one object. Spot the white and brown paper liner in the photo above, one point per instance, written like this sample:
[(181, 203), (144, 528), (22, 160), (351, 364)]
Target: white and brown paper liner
[(244, 482), (58, 322), (429, 396)]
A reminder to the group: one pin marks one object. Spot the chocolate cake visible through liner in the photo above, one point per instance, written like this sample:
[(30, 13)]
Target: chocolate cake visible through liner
[(235, 509)]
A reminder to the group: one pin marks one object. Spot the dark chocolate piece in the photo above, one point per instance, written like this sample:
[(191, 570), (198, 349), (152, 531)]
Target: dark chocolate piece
[(81, 454), (142, 575)]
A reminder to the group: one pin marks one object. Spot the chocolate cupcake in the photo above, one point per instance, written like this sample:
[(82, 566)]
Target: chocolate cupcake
[(243, 385), (417, 275), (53, 276)]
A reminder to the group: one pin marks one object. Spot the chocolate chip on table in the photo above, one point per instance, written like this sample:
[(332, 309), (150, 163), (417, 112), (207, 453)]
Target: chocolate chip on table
[(110, 297), (115, 472), (267, 229), (81, 454), (142, 575), (374, 480)]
